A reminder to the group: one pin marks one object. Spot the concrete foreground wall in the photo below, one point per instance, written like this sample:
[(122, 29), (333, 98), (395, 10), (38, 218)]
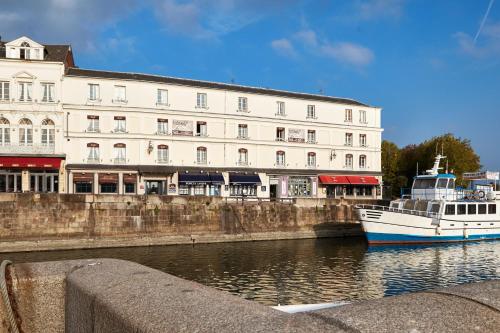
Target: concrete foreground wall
[(104, 295), (58, 221)]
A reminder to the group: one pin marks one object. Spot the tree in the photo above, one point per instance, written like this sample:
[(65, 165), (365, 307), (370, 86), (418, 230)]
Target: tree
[(393, 180)]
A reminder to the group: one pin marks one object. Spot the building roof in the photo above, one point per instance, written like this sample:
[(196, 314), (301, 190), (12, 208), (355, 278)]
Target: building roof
[(73, 71), (56, 53)]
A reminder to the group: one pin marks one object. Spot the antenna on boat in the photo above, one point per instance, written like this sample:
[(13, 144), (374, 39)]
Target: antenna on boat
[(417, 168), (446, 166)]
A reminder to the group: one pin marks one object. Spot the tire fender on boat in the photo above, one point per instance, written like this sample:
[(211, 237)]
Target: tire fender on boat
[(438, 230), (466, 233)]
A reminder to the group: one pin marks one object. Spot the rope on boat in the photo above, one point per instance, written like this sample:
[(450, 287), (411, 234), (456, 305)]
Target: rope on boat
[(5, 296)]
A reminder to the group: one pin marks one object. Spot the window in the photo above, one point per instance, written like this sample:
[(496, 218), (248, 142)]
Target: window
[(280, 158), (93, 153), (348, 116), (108, 188), (471, 209), (242, 131), (25, 91), (492, 209), (162, 127), (162, 153), (162, 97), (4, 132), (4, 91), (348, 161), (362, 140), (120, 153), (201, 100), (311, 159), (449, 210), (311, 136), (120, 94), (120, 124), (348, 139), (129, 188), (201, 128), (362, 117), (481, 209), (242, 104), (451, 184), (362, 161), (48, 132), (311, 112), (281, 109), (442, 183), (48, 92), (201, 155), (280, 134), (422, 184), (24, 51), (461, 209), (242, 156), (93, 124), (94, 94), (25, 132)]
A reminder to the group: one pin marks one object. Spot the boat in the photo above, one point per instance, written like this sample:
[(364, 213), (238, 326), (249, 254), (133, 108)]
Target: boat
[(436, 211)]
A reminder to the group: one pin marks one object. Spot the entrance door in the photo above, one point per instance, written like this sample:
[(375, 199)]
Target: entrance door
[(273, 191), (155, 187), (44, 182)]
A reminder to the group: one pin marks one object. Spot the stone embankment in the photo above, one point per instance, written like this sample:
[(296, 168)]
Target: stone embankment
[(104, 295), (31, 222)]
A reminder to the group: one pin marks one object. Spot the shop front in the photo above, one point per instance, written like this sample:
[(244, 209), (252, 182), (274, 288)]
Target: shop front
[(340, 186), (83, 182), (200, 184), (302, 186), (243, 185)]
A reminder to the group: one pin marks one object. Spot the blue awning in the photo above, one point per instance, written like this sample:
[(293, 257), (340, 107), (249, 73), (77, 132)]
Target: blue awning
[(217, 179), (242, 179), (194, 179)]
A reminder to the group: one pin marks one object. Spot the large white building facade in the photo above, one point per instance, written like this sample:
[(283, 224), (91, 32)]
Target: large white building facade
[(127, 133)]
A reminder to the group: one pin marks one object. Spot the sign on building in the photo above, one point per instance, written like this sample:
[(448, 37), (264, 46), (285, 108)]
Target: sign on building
[(182, 127), (296, 135)]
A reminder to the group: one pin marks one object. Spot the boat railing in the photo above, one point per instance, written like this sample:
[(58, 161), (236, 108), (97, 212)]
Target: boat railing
[(398, 210)]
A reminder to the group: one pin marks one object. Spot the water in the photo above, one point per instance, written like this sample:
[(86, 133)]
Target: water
[(308, 271)]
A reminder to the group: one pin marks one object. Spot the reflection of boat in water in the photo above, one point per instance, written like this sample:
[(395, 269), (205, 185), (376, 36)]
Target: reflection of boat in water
[(435, 212)]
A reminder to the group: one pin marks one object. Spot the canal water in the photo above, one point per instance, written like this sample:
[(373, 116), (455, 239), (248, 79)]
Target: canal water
[(308, 271)]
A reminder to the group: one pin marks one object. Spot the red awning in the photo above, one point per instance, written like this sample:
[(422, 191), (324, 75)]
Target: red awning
[(31, 162), (333, 180), (362, 180)]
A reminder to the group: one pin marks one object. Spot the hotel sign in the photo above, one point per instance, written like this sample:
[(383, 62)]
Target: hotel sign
[(182, 127), (296, 135)]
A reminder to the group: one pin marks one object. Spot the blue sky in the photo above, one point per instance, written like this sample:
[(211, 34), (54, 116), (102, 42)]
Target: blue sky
[(422, 61)]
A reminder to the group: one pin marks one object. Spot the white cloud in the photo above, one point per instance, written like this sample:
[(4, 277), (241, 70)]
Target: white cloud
[(488, 45), (349, 53), (307, 37), (284, 47), (375, 9)]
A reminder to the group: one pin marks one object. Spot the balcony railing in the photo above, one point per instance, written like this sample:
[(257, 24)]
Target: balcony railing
[(27, 149)]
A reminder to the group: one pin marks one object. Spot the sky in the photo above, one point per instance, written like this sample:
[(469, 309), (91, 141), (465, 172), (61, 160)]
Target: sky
[(432, 66)]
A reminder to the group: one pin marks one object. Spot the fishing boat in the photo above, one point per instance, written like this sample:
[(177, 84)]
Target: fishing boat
[(436, 211)]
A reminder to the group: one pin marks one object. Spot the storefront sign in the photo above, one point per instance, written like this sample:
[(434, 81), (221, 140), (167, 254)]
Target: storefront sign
[(172, 188), (296, 135), (182, 127)]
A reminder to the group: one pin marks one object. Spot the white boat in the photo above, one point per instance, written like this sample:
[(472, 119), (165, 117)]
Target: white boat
[(436, 211)]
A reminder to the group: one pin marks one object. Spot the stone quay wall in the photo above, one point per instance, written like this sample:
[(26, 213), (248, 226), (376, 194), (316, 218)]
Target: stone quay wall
[(58, 221)]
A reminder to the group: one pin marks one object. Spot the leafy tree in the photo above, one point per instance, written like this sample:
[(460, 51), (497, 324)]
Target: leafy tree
[(390, 168)]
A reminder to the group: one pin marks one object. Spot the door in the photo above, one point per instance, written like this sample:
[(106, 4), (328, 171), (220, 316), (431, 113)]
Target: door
[(273, 190), (154, 187)]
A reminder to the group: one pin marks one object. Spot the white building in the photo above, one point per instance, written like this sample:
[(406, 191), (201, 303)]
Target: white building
[(136, 133)]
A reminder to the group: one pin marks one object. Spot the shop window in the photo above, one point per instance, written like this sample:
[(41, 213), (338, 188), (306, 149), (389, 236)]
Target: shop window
[(199, 189), (129, 188), (299, 186), (183, 190), (108, 188), (243, 190), (83, 187)]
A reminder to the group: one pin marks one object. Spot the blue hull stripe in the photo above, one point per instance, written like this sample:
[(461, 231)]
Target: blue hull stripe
[(382, 238)]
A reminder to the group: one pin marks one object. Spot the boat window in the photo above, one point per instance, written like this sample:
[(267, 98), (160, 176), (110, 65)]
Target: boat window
[(471, 209), (451, 184), (435, 208), (492, 209), (394, 205), (461, 209), (442, 183), (421, 184), (481, 209), (449, 210)]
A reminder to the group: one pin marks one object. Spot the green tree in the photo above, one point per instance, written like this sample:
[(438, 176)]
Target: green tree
[(393, 180)]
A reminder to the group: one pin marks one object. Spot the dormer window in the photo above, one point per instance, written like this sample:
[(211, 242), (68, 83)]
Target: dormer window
[(24, 51)]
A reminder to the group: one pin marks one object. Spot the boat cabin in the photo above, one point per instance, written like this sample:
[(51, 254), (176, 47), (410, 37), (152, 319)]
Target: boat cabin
[(434, 187)]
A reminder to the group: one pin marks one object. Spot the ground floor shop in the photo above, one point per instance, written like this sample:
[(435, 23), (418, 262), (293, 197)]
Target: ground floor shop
[(350, 186)]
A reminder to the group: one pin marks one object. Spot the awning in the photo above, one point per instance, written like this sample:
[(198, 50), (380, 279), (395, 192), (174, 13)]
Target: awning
[(217, 179), (108, 178), (333, 180), (348, 180), (130, 179), (194, 179), (242, 179), (362, 180), (31, 162), (83, 177)]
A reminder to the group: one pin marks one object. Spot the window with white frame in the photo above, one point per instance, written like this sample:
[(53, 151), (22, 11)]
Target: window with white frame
[(242, 131), (93, 152), (162, 153), (24, 51), (48, 92), (311, 136), (4, 132), (280, 134), (201, 100), (48, 132), (93, 124), (281, 109), (120, 153), (348, 115), (362, 161), (362, 117), (201, 128), (162, 127), (4, 91), (348, 139), (201, 155), (311, 112), (162, 97), (242, 104), (348, 161), (311, 159), (280, 158), (362, 140), (94, 92), (120, 94), (25, 91), (120, 124), (25, 132), (242, 156)]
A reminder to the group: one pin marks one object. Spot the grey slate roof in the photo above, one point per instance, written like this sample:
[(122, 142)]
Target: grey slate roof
[(73, 71), (56, 53)]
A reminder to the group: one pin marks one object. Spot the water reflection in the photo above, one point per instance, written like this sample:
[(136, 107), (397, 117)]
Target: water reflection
[(308, 271)]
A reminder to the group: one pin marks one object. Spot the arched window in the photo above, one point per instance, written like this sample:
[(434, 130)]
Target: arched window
[(362, 161), (201, 155), (48, 132), (4, 132), (162, 153), (348, 161), (93, 153), (25, 132), (24, 52), (242, 156), (280, 158), (120, 153), (311, 159)]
